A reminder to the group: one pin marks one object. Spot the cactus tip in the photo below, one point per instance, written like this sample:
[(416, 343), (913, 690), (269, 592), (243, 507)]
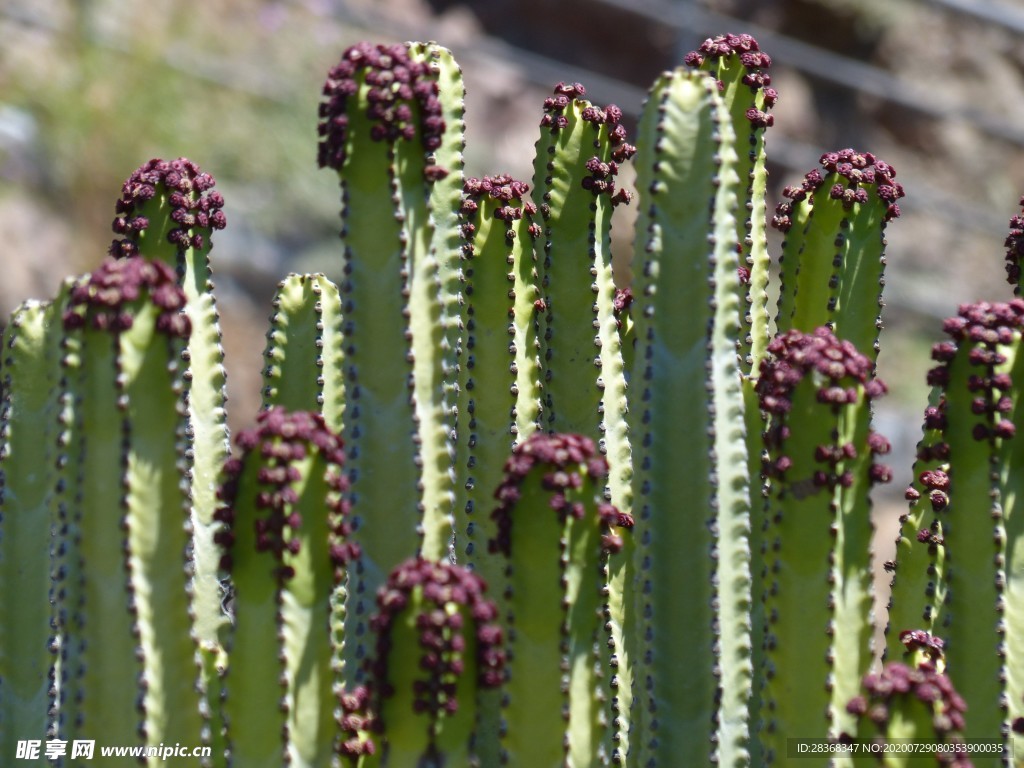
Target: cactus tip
[(401, 101), (281, 438), (564, 457), (195, 210), (101, 299), (441, 589)]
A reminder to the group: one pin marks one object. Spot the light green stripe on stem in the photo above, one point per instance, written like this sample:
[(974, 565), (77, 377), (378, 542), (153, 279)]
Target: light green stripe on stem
[(690, 489)]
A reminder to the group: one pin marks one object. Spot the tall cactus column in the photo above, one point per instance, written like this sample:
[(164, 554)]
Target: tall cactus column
[(126, 619), (690, 490), (381, 121), (169, 210)]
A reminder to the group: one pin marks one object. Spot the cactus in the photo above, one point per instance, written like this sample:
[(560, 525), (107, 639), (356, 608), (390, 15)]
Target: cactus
[(495, 509)]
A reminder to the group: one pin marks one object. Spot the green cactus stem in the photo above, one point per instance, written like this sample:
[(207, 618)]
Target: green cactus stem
[(435, 302), (690, 489), (912, 703), (438, 648), (304, 357), (740, 68), (285, 537), (968, 544), (556, 535), (578, 156), (30, 407), (499, 381), (833, 254), (818, 589), (168, 210), (128, 622), (380, 123)]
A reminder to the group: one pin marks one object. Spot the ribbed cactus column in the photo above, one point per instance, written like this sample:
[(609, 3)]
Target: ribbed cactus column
[(381, 123), (818, 591), (286, 544), (30, 408), (556, 535), (128, 664), (499, 377), (438, 648), (168, 210), (833, 255), (690, 493), (741, 67), (960, 565)]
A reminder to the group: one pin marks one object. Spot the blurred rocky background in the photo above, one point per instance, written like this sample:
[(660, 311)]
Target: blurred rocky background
[(90, 89)]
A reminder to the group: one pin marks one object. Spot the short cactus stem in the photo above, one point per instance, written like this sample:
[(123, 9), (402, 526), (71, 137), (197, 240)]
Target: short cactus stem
[(556, 535), (438, 647), (30, 408), (907, 703), (833, 254), (285, 539), (304, 357), (381, 123), (169, 210), (741, 68), (126, 615), (971, 487), (817, 596), (689, 649)]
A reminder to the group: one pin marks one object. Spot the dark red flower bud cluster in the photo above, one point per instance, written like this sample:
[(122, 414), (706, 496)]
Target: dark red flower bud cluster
[(621, 304), (194, 209), (919, 640), (840, 373), (564, 459), (448, 595), (755, 61), (898, 688), (601, 178), (355, 722), (852, 177), (1015, 248), (279, 441), (101, 300), (401, 100)]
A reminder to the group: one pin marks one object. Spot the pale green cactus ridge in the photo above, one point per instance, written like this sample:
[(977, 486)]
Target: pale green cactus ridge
[(307, 645), (833, 254), (380, 419), (556, 566), (917, 586), (817, 591), (304, 358), (132, 601), (445, 195), (206, 375), (740, 95), (690, 487), (30, 406)]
